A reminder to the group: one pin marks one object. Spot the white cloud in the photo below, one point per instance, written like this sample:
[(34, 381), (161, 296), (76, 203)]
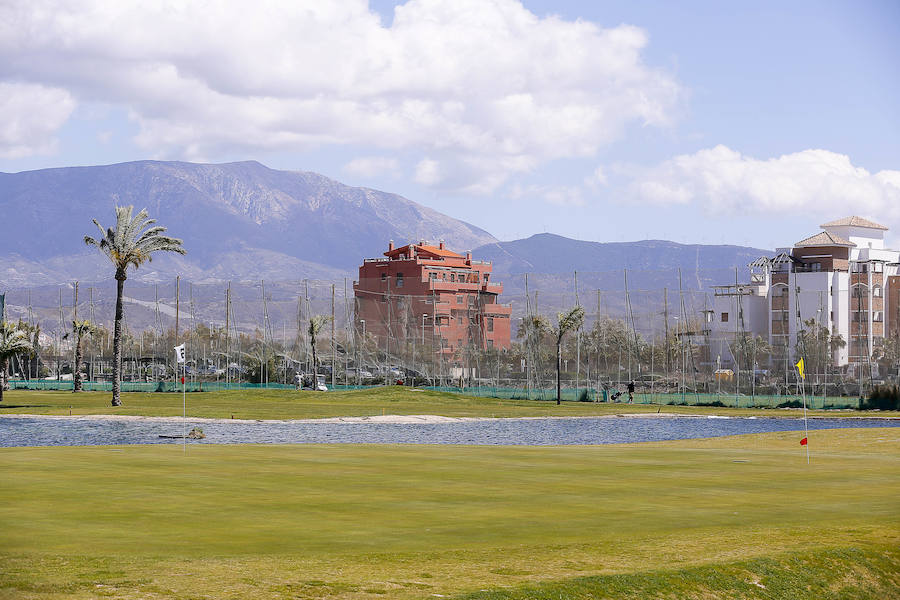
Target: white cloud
[(596, 180), (428, 172), (485, 87), (31, 116), (559, 195), (373, 166), (722, 180)]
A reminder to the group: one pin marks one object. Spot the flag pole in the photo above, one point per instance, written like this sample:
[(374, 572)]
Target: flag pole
[(184, 408), (800, 371), (805, 426), (180, 358)]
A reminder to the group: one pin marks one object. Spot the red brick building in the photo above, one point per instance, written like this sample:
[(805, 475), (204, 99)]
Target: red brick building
[(424, 294)]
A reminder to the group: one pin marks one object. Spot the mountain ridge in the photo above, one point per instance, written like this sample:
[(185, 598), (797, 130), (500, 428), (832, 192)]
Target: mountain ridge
[(245, 221), (300, 218)]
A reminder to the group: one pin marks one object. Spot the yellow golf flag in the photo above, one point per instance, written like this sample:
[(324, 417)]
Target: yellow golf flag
[(800, 366)]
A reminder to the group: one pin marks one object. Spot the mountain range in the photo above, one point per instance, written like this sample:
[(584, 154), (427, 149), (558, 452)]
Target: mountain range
[(239, 221), (245, 221)]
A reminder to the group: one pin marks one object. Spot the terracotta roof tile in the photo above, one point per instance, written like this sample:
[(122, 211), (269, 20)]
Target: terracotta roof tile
[(824, 239), (434, 250), (854, 221)]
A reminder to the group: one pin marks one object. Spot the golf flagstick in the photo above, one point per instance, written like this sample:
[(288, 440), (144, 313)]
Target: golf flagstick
[(179, 358), (805, 441), (184, 408)]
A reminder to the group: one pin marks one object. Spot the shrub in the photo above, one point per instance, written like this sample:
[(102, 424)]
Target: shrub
[(791, 404), (883, 397)]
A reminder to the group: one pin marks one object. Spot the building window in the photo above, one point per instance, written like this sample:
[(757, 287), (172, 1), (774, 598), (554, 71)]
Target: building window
[(490, 323), (459, 319), (876, 291), (452, 277), (399, 280), (859, 290), (487, 277), (384, 276), (490, 343), (724, 317), (878, 316), (460, 299)]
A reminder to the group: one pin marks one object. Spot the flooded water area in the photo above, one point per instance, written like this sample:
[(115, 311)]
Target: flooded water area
[(80, 431)]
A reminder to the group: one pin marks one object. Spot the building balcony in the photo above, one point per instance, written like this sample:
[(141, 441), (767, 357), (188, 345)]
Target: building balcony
[(440, 284), (497, 309)]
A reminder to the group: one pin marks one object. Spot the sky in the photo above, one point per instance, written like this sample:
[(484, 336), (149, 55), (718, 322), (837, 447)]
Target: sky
[(694, 121)]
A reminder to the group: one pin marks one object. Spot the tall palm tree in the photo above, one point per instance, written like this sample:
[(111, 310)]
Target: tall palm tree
[(12, 341), (131, 243), (79, 330), (316, 322), (566, 321)]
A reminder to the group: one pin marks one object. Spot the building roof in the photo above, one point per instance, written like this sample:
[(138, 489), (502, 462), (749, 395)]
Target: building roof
[(824, 239), (423, 249), (855, 221)]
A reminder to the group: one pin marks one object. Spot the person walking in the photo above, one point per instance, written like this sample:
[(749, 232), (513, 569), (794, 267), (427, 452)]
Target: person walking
[(631, 391)]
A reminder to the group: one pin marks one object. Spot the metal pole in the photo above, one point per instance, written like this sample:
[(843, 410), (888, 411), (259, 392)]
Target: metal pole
[(333, 345)]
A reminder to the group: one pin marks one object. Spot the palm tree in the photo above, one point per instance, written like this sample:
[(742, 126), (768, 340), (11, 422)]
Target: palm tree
[(79, 330), (566, 322), (12, 341), (131, 243), (316, 322)]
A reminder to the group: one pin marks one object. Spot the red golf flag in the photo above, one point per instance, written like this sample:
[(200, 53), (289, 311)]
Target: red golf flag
[(182, 381), (803, 442)]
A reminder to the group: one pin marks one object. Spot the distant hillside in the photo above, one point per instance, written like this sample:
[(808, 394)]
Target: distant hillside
[(549, 253), (653, 266), (239, 221)]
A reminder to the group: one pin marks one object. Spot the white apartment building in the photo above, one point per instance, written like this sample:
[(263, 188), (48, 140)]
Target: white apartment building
[(843, 278)]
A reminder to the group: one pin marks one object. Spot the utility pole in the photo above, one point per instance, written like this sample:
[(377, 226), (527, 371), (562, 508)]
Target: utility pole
[(666, 318), (577, 342), (308, 316), (333, 345), (177, 305), (177, 300), (227, 334), (75, 366)]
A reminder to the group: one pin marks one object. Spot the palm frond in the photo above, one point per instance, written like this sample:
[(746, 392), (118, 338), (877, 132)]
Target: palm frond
[(134, 239)]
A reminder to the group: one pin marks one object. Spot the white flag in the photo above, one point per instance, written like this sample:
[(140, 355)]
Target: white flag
[(179, 353)]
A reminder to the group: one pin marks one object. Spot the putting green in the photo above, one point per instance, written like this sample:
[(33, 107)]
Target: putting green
[(346, 521)]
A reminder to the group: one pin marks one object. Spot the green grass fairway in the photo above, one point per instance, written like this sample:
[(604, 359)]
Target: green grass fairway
[(391, 400), (707, 518)]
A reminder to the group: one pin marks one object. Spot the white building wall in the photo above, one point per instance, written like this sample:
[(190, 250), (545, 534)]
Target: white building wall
[(840, 310), (863, 237)]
